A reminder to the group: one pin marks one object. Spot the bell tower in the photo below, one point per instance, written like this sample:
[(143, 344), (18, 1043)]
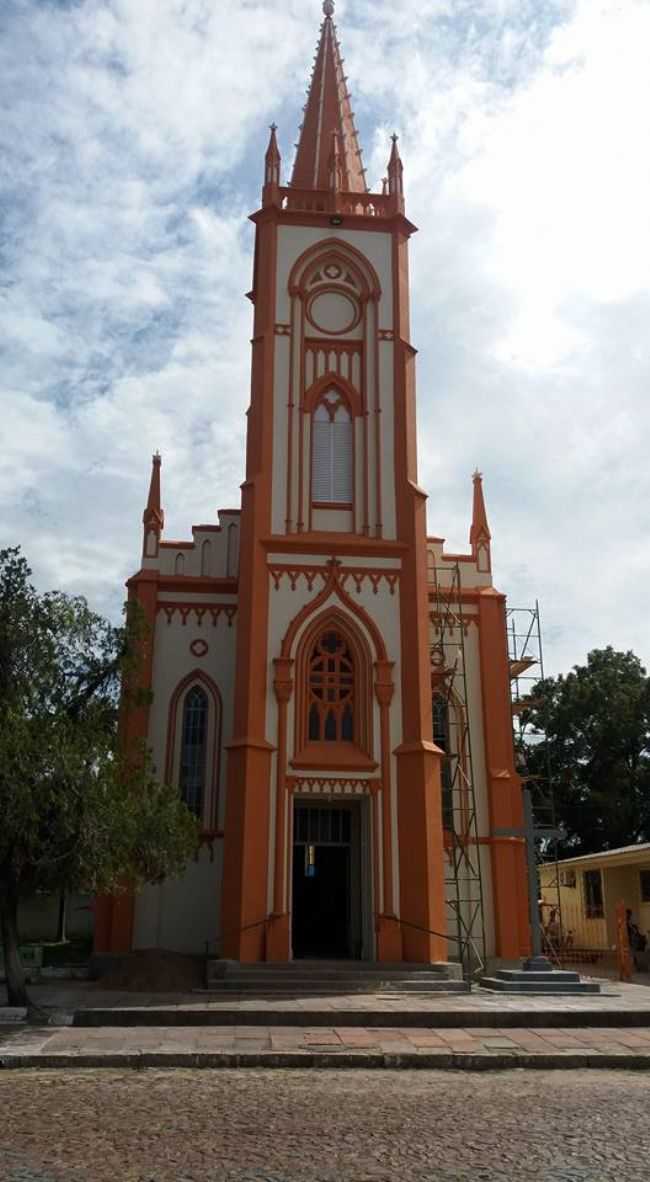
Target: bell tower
[(332, 698)]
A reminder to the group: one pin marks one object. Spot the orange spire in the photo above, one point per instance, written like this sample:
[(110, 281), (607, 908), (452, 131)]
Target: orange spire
[(153, 517), (272, 162), (480, 531), (396, 176), (328, 110)]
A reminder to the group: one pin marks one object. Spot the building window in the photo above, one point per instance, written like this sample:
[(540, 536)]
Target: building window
[(593, 885), (331, 706), (644, 885), (568, 879), (332, 452), (442, 739), (193, 749)]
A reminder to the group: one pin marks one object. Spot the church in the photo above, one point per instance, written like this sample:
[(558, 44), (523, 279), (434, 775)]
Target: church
[(329, 686)]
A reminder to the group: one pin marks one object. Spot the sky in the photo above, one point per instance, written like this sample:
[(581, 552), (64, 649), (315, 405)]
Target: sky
[(131, 150)]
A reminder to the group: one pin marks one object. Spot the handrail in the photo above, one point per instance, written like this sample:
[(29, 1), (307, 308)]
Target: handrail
[(404, 923)]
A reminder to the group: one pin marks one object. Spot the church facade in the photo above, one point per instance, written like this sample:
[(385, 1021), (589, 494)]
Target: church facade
[(301, 698)]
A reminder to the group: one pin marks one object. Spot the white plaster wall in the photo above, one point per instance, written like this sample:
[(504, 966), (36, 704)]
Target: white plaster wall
[(375, 245), (191, 552), (183, 914)]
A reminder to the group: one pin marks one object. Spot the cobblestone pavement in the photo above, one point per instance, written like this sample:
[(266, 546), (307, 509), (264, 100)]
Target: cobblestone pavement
[(323, 1126), (104, 1042)]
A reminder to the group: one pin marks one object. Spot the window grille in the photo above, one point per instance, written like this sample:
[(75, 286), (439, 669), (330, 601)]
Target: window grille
[(332, 452), (331, 690), (193, 749)]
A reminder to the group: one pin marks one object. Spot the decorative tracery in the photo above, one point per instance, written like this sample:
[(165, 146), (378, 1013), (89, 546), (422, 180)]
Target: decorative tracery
[(331, 697)]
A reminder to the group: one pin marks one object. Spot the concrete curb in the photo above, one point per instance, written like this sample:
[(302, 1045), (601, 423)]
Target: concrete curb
[(365, 1019), (430, 1061)]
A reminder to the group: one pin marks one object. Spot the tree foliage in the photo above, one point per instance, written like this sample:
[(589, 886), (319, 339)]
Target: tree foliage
[(596, 725), (78, 811)]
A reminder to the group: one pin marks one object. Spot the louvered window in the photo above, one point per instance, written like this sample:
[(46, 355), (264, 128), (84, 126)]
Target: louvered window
[(193, 749), (332, 466)]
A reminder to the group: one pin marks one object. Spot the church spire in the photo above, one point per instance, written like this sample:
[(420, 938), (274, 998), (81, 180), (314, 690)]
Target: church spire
[(479, 534), (153, 517), (272, 162), (396, 177), (328, 111)]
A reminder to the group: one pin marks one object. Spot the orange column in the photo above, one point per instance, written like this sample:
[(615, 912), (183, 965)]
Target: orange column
[(246, 833), (421, 853), (279, 936), (509, 884), (115, 914)]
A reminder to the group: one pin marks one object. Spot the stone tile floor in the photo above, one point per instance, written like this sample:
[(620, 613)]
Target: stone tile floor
[(33, 1043)]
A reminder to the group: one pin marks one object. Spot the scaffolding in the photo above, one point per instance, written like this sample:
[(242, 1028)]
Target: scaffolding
[(526, 656), (452, 733)]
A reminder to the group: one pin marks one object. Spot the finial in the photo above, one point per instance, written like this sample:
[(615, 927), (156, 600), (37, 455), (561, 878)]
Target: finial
[(328, 7), (477, 475)]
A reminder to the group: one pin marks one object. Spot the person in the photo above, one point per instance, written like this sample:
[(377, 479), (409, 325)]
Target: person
[(636, 939)]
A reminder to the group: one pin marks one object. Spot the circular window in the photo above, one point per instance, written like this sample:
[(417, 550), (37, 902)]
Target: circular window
[(333, 312)]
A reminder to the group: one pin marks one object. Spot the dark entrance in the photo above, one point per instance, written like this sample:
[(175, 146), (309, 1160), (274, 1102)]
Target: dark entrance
[(326, 884)]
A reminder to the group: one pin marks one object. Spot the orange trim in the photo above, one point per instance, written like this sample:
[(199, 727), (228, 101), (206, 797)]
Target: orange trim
[(397, 223), (324, 542), (326, 251), (333, 757), (183, 687), (336, 289), (421, 862), (333, 586), (290, 413), (327, 382), (246, 844), (347, 756)]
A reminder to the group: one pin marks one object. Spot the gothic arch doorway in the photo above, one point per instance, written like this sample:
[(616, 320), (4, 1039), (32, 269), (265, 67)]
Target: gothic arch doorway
[(330, 881)]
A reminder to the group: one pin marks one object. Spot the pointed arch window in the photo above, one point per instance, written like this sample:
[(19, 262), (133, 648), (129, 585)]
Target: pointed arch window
[(331, 691), (332, 451), (194, 749)]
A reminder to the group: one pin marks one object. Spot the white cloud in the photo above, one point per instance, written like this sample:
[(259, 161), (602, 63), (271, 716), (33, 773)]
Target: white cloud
[(132, 151)]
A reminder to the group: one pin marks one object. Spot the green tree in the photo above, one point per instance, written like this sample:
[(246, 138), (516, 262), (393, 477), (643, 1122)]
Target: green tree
[(77, 810), (596, 725)]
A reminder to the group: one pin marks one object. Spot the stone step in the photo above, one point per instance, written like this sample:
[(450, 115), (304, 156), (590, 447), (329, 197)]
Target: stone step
[(313, 989), (331, 978), (565, 975), (321, 968), (499, 985), (496, 1017)]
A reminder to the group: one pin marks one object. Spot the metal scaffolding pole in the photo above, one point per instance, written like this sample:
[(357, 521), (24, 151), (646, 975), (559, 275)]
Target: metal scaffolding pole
[(452, 733)]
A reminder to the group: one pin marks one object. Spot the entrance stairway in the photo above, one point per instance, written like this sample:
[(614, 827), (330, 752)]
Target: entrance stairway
[(321, 978)]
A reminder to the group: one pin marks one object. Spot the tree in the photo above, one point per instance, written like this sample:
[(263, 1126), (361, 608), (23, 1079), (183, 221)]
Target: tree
[(78, 811), (596, 725)]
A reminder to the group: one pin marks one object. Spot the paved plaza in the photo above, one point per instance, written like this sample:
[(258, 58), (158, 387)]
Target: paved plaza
[(291, 1046), (323, 1126)]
